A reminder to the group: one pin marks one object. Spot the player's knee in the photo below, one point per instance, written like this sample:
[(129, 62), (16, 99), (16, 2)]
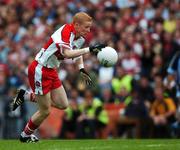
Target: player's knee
[(63, 105)]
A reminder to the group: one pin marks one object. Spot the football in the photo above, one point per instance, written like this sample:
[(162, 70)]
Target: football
[(107, 57)]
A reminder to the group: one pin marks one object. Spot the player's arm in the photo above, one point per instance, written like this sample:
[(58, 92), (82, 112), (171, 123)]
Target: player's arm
[(84, 74), (75, 53), (94, 49), (79, 62)]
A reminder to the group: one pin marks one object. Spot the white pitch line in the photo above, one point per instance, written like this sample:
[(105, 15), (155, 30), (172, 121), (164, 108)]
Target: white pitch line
[(155, 145), (95, 148)]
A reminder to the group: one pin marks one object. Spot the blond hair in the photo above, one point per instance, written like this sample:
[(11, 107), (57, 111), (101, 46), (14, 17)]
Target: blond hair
[(81, 17)]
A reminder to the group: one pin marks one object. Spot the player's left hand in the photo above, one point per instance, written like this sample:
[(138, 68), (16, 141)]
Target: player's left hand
[(94, 49), (86, 77)]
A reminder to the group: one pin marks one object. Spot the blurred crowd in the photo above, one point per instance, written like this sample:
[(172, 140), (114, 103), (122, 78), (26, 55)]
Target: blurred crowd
[(145, 33)]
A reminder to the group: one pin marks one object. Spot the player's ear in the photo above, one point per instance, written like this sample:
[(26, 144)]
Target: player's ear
[(76, 25)]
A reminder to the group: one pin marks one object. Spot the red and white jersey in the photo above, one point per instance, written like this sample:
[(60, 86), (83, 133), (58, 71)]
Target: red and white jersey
[(51, 54)]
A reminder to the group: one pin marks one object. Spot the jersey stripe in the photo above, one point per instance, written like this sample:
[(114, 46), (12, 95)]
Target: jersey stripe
[(65, 34), (50, 41)]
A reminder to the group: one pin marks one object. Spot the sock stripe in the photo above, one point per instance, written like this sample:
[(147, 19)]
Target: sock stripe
[(30, 127)]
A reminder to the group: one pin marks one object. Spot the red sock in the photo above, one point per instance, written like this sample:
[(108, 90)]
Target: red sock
[(30, 127)]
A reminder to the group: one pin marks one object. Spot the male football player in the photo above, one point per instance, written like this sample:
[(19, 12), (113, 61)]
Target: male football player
[(43, 77)]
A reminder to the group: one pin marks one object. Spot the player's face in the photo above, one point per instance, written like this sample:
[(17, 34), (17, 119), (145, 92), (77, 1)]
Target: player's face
[(84, 28)]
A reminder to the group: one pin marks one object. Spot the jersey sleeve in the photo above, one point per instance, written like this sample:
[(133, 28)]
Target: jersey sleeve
[(62, 37), (78, 43), (65, 38)]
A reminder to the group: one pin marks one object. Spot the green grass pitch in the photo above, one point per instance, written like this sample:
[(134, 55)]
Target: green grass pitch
[(110, 144)]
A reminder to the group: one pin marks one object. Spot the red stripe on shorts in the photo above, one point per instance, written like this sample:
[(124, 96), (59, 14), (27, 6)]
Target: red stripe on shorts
[(31, 74)]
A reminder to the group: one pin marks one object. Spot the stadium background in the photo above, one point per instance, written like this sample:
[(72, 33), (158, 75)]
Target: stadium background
[(145, 33)]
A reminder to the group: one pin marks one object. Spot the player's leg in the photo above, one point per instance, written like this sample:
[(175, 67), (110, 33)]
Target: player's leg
[(44, 105), (40, 82), (59, 98)]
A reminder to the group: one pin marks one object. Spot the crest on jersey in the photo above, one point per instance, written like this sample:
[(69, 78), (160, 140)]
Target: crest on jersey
[(38, 84)]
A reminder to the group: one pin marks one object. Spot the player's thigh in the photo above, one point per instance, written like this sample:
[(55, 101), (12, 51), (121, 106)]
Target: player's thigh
[(44, 102), (59, 97)]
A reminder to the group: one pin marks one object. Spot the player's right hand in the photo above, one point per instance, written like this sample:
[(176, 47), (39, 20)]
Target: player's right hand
[(94, 49), (86, 77)]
